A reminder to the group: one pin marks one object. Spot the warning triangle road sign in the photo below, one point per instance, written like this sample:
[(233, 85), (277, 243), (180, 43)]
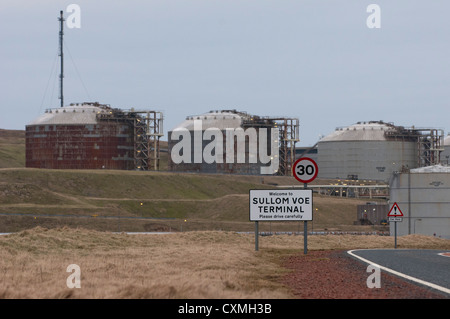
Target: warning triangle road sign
[(395, 211)]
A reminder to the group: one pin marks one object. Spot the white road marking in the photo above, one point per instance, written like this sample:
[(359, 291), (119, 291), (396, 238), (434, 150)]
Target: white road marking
[(422, 282)]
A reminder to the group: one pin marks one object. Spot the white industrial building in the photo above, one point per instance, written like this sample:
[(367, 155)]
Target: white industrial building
[(422, 194), (445, 155)]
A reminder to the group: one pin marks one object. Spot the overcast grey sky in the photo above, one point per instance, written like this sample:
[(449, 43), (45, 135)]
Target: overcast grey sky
[(312, 59)]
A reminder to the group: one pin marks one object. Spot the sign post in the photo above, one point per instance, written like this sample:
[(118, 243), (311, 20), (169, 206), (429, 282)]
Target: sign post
[(256, 236), (395, 215), (279, 205), (305, 170), (305, 230)]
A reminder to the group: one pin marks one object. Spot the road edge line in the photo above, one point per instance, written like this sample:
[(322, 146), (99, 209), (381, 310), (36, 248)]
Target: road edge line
[(394, 272)]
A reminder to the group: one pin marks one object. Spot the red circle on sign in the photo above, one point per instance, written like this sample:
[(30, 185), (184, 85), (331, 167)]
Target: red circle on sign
[(310, 177)]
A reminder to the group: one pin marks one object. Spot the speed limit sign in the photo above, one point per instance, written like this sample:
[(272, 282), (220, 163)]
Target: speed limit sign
[(305, 170)]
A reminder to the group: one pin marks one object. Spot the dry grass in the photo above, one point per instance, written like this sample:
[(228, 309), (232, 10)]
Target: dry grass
[(205, 264)]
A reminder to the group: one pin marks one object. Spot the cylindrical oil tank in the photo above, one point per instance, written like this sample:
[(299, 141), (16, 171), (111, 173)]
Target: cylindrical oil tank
[(365, 150), (198, 136), (73, 137), (422, 194)]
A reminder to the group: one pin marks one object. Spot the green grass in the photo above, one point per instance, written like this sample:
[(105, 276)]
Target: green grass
[(12, 148), (158, 195), (127, 184), (207, 201)]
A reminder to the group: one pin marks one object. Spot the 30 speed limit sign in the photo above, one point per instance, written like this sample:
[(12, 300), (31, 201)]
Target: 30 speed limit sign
[(305, 170)]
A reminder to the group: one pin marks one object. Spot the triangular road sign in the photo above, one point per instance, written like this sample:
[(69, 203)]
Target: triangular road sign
[(395, 211)]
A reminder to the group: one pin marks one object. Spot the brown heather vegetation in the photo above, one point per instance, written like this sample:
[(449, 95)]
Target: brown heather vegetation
[(197, 264)]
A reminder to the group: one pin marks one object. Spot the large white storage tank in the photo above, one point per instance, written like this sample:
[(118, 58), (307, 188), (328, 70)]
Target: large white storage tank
[(366, 150), (222, 125), (422, 195)]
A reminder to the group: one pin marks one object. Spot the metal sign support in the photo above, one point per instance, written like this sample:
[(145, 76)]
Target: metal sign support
[(305, 230), (395, 235), (256, 235)]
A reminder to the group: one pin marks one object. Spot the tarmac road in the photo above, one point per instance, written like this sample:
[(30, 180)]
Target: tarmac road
[(424, 266)]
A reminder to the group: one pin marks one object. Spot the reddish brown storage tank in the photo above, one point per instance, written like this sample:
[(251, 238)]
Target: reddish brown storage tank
[(73, 137)]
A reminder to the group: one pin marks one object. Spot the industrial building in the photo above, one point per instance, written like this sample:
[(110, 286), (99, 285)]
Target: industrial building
[(372, 213), (422, 194), (445, 155), (94, 136), (374, 150), (307, 151), (237, 140)]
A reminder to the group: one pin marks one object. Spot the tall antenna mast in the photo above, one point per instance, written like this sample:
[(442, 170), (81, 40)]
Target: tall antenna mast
[(61, 54)]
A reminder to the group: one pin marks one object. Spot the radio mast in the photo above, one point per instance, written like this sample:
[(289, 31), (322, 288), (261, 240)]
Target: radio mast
[(61, 54)]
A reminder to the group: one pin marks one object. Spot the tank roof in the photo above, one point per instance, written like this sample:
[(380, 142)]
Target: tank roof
[(432, 169), (73, 114), (361, 131), (214, 119)]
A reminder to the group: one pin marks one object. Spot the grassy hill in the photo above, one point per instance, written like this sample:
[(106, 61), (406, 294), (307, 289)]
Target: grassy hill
[(147, 201), (142, 201), (12, 148)]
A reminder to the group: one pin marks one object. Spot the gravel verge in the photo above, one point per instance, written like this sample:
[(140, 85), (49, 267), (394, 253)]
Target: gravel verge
[(337, 275)]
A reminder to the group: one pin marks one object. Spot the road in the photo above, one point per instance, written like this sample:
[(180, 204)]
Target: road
[(424, 266)]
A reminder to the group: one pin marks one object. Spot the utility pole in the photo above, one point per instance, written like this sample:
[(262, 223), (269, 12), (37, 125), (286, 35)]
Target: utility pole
[(61, 54)]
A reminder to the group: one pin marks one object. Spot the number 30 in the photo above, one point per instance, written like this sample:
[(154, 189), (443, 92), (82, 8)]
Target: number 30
[(301, 169)]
